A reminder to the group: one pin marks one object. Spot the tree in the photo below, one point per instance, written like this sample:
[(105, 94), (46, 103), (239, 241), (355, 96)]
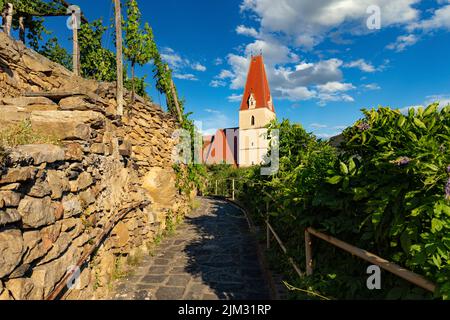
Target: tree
[(31, 12), (53, 51), (139, 45), (96, 62)]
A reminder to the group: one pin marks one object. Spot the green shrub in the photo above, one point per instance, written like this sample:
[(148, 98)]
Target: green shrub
[(386, 190)]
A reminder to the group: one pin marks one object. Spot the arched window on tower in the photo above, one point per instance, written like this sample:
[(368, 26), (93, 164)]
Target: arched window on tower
[(253, 120), (251, 101)]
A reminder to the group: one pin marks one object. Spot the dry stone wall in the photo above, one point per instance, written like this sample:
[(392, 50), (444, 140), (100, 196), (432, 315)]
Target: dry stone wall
[(57, 200)]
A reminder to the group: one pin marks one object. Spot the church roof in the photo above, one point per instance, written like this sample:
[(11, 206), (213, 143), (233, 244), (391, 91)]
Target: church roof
[(258, 85)]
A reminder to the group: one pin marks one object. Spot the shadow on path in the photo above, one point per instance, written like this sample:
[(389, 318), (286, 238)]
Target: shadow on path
[(212, 256), (225, 255)]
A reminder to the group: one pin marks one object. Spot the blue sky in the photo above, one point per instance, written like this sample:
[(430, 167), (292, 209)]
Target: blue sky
[(324, 64)]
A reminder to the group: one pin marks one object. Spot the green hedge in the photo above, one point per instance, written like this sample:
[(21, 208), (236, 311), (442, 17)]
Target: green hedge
[(386, 190)]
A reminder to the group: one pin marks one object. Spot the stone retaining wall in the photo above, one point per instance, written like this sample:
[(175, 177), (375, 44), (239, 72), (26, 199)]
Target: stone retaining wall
[(55, 200)]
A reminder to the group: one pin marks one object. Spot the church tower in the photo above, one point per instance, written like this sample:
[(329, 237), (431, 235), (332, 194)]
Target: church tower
[(256, 112)]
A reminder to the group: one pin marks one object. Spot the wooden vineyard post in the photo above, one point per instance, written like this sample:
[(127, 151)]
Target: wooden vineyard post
[(119, 58), (9, 17), (216, 188), (21, 29), (76, 48), (175, 98), (267, 225), (308, 251)]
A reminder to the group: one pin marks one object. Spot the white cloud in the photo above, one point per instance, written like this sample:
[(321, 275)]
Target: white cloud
[(335, 86), (225, 74), (235, 98), (177, 62), (295, 94), (318, 73), (185, 76), (372, 86), (324, 98), (218, 61), (199, 67), (246, 31), (362, 65), (318, 18), (439, 20), (274, 52), (212, 111), (173, 59), (403, 42), (217, 83), (238, 75)]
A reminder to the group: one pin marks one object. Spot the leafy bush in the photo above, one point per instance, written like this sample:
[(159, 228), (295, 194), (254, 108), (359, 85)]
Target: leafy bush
[(393, 181), (386, 190)]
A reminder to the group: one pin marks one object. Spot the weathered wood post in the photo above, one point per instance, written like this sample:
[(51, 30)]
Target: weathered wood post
[(233, 190), (9, 18), (21, 29), (267, 225), (216, 188), (76, 47), (119, 58), (175, 98), (308, 253)]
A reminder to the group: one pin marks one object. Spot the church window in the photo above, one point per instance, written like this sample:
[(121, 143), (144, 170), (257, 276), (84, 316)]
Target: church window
[(253, 120), (252, 101)]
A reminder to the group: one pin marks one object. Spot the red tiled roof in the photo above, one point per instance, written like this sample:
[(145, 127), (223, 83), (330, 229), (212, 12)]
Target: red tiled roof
[(257, 84)]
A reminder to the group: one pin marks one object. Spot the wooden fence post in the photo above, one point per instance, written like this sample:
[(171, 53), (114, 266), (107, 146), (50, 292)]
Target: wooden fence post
[(308, 253), (76, 48), (9, 17), (21, 29), (216, 189), (119, 57), (233, 190)]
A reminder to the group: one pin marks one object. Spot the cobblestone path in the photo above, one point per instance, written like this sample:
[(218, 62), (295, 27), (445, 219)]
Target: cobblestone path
[(211, 256)]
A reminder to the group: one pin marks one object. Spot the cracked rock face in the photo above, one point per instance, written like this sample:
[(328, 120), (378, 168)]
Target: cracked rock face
[(37, 212), (11, 250)]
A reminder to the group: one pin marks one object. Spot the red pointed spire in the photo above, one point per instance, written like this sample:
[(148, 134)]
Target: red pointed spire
[(257, 90)]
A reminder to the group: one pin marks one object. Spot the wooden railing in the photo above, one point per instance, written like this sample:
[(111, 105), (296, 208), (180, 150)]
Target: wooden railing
[(310, 232)]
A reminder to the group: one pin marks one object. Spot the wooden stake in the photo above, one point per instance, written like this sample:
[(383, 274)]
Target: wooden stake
[(21, 29), (175, 99), (216, 188), (119, 57), (308, 251), (9, 17), (76, 48), (233, 190)]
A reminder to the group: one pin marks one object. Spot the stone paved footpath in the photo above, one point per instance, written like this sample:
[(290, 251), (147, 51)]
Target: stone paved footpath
[(212, 256)]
